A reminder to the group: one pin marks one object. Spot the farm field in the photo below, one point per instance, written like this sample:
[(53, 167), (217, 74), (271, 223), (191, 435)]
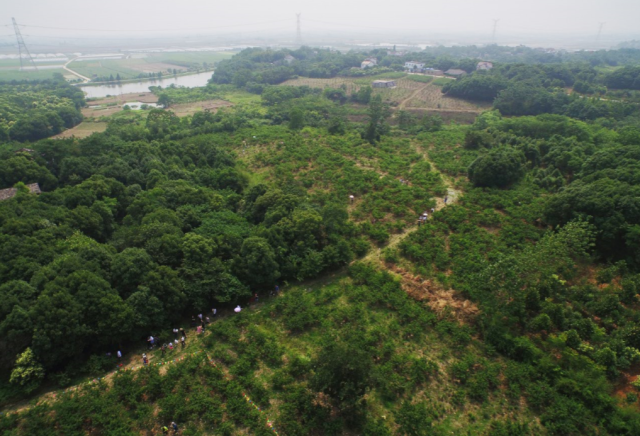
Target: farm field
[(9, 74), (407, 94), (130, 68), (136, 65)]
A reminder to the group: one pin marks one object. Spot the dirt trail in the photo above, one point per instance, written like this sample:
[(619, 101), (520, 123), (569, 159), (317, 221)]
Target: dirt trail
[(444, 302), (130, 362), (453, 194), (404, 102)]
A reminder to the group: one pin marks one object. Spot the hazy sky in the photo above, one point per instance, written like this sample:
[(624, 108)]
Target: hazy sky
[(516, 16)]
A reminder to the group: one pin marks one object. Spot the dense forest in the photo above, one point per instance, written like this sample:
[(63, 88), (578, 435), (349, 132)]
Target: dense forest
[(513, 309), (30, 112)]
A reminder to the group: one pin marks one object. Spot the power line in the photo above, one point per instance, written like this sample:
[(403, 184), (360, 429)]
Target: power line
[(22, 47), (153, 30), (495, 28), (298, 31), (600, 31)]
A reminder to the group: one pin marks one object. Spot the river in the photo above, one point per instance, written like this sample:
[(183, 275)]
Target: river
[(189, 81)]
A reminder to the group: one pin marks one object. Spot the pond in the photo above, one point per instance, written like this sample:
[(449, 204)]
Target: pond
[(190, 81)]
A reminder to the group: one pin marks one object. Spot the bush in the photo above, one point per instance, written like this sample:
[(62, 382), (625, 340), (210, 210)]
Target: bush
[(500, 167)]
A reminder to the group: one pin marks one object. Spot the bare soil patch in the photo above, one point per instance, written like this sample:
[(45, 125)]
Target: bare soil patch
[(82, 130), (443, 302), (143, 97), (184, 109)]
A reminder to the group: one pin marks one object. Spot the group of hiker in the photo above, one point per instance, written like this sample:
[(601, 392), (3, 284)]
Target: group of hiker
[(174, 427), (424, 217)]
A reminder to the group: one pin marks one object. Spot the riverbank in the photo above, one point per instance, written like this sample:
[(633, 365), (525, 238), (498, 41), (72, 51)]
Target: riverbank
[(142, 79), (142, 86)]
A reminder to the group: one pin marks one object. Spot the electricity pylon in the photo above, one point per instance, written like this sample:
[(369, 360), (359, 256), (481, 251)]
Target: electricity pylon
[(495, 28), (22, 48), (298, 30)]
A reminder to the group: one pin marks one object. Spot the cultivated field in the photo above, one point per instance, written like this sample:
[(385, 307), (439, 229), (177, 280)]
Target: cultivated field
[(129, 68), (9, 74), (408, 94)]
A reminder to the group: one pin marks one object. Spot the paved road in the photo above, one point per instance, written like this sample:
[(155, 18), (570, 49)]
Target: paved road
[(86, 79)]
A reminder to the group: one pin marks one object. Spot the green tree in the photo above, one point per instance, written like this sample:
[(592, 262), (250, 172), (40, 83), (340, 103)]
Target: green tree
[(378, 113), (257, 263), (296, 119), (28, 372), (342, 371), (499, 167)]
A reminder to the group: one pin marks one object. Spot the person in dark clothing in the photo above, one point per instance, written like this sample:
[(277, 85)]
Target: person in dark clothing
[(183, 333), (174, 426)]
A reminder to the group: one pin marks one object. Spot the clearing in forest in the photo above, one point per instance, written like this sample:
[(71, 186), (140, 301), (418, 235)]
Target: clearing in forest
[(408, 93), (82, 130)]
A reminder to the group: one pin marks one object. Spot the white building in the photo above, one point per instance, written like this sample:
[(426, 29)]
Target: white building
[(413, 65), (484, 66)]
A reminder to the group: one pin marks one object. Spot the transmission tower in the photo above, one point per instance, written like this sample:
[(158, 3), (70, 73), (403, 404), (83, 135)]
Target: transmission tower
[(298, 30), (495, 28), (22, 48), (599, 31)]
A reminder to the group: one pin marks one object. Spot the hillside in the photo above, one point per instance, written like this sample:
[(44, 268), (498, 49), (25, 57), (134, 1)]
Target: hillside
[(512, 310)]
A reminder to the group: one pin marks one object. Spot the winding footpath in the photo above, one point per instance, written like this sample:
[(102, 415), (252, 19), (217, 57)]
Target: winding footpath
[(453, 194)]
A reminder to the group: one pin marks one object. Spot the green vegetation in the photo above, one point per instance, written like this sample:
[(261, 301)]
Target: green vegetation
[(512, 310), (31, 111)]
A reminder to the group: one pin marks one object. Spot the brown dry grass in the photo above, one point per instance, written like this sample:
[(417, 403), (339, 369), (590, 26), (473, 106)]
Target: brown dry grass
[(184, 109), (430, 96), (444, 302), (407, 94), (82, 130)]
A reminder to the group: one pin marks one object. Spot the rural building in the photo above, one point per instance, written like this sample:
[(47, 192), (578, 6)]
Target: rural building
[(413, 65), (8, 193), (369, 63), (384, 84), (455, 72), (288, 59), (484, 66), (433, 72), (25, 150)]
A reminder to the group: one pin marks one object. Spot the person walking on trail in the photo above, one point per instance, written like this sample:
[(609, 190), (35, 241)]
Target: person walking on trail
[(183, 342), (445, 199), (119, 354), (174, 426), (433, 210), (151, 341), (183, 333), (144, 359), (171, 346), (207, 320), (200, 316), (165, 429), (214, 311), (351, 198), (175, 333)]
